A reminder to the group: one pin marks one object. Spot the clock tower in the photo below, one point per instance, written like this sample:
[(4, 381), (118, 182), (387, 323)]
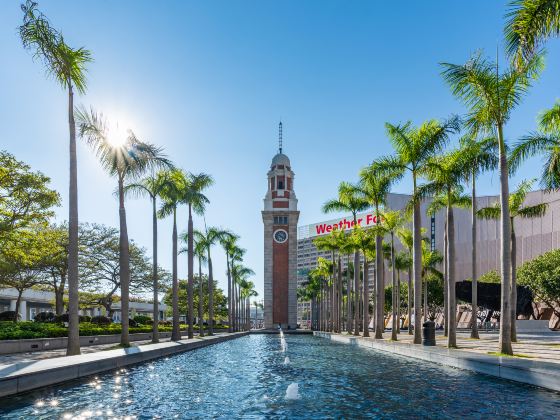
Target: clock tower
[(280, 218)]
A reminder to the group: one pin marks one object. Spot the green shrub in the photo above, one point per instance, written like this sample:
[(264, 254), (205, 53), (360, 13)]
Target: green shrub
[(143, 320)]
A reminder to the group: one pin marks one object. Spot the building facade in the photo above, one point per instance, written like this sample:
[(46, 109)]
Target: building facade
[(534, 237), (36, 301), (280, 217)]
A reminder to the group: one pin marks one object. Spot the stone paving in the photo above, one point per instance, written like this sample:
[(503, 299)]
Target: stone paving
[(539, 346), (8, 359)]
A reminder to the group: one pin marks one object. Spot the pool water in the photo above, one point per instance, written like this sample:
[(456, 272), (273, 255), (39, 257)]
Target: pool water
[(248, 378)]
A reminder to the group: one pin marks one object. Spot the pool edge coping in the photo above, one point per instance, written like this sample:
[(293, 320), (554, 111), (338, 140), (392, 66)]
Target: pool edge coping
[(28, 376), (532, 372)]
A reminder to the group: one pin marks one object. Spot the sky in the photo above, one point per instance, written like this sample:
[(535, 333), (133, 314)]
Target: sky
[(210, 80)]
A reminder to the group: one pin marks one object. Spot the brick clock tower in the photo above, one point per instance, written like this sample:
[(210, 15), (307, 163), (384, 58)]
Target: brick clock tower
[(280, 218)]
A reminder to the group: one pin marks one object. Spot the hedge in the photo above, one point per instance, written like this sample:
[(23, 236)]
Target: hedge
[(13, 331)]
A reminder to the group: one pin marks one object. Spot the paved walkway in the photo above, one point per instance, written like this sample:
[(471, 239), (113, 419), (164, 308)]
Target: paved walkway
[(542, 346), (8, 359)]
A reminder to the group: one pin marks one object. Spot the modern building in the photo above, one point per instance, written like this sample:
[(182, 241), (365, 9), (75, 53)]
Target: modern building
[(280, 217), (534, 237), (35, 301)]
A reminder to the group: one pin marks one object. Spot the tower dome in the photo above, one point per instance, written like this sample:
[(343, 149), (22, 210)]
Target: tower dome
[(281, 159)]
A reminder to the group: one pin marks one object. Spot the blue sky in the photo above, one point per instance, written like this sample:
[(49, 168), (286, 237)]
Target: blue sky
[(209, 81)]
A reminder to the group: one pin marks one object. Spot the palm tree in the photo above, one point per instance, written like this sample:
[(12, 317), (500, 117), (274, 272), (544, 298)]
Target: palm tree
[(365, 241), (529, 24), (413, 147), (403, 262), (237, 271), (545, 142), (445, 173), (391, 223), (171, 196), (439, 202), (406, 238), (430, 260), (331, 243), (229, 243), (257, 306), (200, 249), (516, 209), (490, 97), (192, 195), (68, 66), (240, 274), (480, 156), (125, 157), (151, 186), (375, 185), (350, 200)]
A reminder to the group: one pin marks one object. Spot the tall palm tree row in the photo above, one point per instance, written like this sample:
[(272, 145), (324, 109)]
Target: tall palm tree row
[(68, 67), (126, 158), (351, 200), (413, 147), (490, 96)]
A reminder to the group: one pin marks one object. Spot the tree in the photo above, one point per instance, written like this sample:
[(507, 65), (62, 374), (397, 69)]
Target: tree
[(516, 209), (490, 97), (68, 67), (192, 195), (545, 142), (126, 158), (220, 300), (207, 240), (350, 199), (439, 202), (171, 197), (229, 243), (542, 276), (21, 259), (529, 24), (375, 186), (100, 269), (445, 173), (55, 262), (413, 147), (151, 186), (25, 196), (392, 221), (480, 156)]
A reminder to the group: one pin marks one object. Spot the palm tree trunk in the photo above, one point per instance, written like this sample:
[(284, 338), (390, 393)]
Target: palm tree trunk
[(395, 303), (452, 310), (190, 288), (210, 296), (348, 295), (399, 301), (417, 266), (474, 299), (176, 332), (356, 295), (59, 304), (124, 266), (379, 287), (200, 299), (445, 282), (155, 313), (410, 297), (513, 283), (365, 293), (505, 251), (230, 317), (340, 297), (425, 297), (73, 346)]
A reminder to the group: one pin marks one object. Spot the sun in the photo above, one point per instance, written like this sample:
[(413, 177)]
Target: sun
[(117, 134)]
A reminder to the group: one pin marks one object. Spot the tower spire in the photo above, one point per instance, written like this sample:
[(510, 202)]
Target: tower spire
[(280, 137)]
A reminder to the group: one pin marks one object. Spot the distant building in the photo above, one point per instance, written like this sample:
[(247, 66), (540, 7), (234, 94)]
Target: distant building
[(534, 237), (36, 301)]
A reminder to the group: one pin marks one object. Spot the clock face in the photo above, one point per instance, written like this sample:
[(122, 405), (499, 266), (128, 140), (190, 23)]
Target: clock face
[(280, 236)]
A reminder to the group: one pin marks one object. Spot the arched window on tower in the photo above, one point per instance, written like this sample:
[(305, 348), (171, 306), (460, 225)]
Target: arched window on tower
[(280, 184)]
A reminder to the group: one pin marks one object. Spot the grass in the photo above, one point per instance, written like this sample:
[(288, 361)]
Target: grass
[(497, 353)]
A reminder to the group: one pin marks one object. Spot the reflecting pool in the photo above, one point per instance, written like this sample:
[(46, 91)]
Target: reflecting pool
[(251, 377)]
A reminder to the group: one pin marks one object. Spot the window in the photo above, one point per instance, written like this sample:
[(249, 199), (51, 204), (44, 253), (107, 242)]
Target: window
[(280, 220), (280, 184)]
